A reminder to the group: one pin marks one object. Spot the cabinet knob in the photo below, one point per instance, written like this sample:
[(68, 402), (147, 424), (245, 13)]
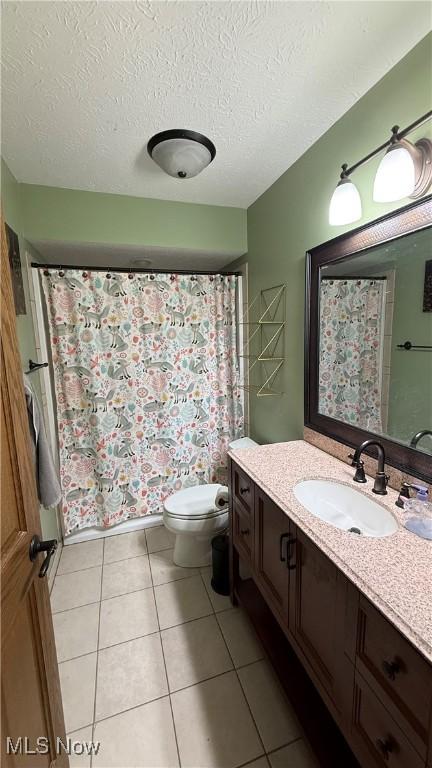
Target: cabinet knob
[(244, 531), (244, 490), (391, 668), (385, 746)]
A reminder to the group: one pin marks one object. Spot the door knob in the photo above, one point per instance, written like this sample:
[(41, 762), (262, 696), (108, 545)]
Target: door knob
[(49, 546)]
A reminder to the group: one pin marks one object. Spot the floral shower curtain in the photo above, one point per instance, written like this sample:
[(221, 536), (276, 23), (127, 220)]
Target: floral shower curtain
[(147, 387), (351, 350)]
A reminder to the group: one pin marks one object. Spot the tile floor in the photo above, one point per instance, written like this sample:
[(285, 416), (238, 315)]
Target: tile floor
[(159, 668)]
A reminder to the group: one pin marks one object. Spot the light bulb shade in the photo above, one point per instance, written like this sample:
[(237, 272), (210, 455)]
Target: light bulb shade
[(181, 153), (396, 174), (345, 205)]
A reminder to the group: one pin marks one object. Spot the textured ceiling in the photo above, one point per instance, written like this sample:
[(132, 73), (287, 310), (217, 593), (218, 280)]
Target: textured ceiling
[(85, 85)]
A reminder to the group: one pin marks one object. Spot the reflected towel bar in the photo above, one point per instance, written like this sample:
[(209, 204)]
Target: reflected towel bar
[(35, 366), (408, 345)]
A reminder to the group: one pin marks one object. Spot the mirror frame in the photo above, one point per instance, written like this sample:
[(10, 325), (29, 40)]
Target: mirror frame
[(392, 226)]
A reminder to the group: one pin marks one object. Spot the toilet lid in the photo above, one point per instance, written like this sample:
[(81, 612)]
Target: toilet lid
[(195, 502)]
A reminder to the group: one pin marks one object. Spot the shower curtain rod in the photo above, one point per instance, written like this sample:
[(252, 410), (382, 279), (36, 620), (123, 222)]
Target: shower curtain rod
[(129, 270)]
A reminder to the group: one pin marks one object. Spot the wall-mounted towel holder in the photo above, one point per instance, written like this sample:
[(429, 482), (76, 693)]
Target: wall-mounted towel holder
[(35, 366), (409, 345)]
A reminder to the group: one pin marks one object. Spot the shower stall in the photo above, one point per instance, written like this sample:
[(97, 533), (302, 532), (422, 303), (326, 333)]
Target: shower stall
[(144, 388)]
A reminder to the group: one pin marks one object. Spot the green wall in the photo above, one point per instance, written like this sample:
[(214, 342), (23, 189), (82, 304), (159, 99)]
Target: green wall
[(47, 213), (410, 394), (50, 213), (12, 211), (292, 217)]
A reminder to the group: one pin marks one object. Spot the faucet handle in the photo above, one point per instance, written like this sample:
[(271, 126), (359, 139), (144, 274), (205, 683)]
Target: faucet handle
[(359, 476), (404, 493)]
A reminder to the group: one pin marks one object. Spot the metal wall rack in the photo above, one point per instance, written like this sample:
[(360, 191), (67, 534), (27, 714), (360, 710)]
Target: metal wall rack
[(264, 345)]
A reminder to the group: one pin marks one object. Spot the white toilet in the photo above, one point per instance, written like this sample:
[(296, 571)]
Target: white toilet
[(191, 514)]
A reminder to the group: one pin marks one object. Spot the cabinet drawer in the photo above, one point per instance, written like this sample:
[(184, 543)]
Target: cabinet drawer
[(242, 488), (272, 554), (401, 677), (243, 531), (378, 740)]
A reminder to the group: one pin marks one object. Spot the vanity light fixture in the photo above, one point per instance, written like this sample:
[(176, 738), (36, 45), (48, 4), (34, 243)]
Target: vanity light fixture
[(181, 153), (345, 205), (404, 171)]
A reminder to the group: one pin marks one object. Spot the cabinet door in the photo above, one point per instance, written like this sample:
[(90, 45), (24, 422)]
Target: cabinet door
[(317, 619), (272, 553), (243, 532), (375, 736)]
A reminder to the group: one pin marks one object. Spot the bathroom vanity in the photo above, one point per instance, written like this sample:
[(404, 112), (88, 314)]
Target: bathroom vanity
[(356, 610)]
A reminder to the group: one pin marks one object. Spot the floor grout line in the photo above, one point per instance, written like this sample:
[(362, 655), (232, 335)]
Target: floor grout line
[(77, 570), (146, 634), (166, 671), (239, 682), (160, 633), (141, 589), (97, 656)]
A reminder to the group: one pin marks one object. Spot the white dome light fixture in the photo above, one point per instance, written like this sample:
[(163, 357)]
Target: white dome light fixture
[(181, 153), (345, 205), (404, 171)]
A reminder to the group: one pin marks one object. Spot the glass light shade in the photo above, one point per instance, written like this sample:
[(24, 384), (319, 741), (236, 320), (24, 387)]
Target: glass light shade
[(395, 177), (345, 205), (181, 158)]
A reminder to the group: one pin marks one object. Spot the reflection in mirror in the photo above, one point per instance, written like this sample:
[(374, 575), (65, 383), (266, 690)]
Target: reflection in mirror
[(371, 304)]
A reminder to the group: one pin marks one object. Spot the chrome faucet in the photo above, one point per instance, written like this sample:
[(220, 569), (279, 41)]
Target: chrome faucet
[(381, 479), (419, 436)]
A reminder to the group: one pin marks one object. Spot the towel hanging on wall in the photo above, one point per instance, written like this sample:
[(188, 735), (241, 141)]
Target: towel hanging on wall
[(47, 479)]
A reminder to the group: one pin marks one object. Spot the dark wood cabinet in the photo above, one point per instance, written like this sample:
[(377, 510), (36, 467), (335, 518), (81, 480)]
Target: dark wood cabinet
[(243, 528), (273, 552), (316, 619), (378, 740), (397, 673), (375, 684), (242, 489)]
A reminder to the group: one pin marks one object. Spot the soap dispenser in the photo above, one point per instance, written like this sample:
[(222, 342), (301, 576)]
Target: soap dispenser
[(420, 508)]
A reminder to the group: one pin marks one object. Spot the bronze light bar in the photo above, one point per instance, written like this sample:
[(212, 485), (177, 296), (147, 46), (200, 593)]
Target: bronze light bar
[(396, 136)]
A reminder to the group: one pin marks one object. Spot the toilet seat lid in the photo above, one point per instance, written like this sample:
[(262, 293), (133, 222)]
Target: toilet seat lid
[(195, 502)]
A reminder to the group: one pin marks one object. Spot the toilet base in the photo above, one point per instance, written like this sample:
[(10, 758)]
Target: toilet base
[(192, 551)]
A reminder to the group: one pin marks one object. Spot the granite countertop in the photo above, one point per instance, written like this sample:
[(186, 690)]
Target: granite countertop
[(394, 572)]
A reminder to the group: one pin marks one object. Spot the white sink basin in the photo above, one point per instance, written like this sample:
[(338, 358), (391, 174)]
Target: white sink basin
[(345, 508)]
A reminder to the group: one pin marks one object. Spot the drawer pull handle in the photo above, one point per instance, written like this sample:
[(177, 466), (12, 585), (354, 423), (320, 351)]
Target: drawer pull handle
[(283, 551), (385, 747), (291, 546), (244, 490), (244, 531), (391, 668)]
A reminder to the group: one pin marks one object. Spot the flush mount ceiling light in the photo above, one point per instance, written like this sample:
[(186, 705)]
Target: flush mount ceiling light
[(141, 262), (404, 171), (181, 153)]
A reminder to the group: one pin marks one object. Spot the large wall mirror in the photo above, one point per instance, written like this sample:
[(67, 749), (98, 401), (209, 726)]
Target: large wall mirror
[(369, 337)]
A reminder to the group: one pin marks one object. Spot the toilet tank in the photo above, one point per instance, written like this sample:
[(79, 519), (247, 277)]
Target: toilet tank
[(243, 442)]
